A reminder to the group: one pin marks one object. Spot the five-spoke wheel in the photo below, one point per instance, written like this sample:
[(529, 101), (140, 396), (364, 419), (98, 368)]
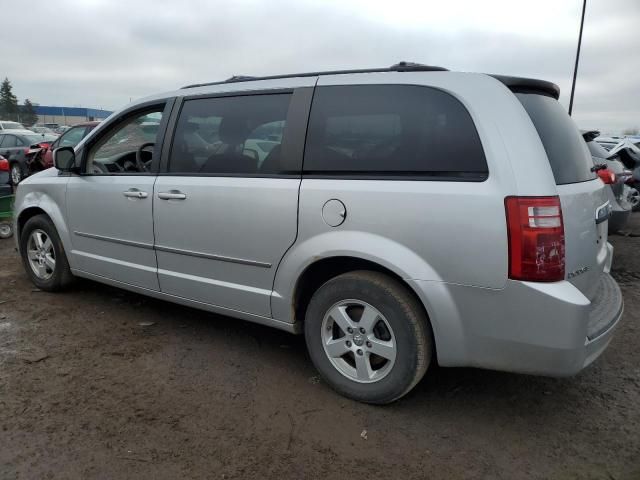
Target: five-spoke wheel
[(368, 336), (41, 255), (359, 341)]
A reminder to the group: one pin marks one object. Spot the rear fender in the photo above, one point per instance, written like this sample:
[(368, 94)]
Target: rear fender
[(374, 248)]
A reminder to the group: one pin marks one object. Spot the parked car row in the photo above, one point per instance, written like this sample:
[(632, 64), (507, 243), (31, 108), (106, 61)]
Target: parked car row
[(613, 173), (397, 217), (29, 152)]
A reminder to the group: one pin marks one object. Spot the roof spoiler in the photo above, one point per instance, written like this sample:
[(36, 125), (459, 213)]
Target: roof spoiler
[(529, 85)]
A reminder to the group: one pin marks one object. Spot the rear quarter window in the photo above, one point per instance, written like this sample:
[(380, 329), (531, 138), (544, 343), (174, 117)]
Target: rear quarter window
[(567, 152), (392, 131)]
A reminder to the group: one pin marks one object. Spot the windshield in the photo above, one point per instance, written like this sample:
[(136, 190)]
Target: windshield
[(560, 137)]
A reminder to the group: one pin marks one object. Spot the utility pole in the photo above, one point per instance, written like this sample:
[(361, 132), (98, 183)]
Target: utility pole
[(575, 68)]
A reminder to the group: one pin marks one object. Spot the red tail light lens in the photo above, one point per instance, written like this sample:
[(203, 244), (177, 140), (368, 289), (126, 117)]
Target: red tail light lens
[(536, 238), (4, 165), (607, 176)]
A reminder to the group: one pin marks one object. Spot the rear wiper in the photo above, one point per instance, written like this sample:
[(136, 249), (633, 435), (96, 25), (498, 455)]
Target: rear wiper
[(598, 167)]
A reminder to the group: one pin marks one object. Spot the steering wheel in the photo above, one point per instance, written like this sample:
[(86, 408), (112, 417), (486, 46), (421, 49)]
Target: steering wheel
[(139, 163)]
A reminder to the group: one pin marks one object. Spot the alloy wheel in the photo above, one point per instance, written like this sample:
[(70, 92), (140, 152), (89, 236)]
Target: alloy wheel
[(41, 254), (359, 341)]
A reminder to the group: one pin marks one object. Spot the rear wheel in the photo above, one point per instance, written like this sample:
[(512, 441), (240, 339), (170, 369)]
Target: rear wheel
[(368, 336), (43, 255)]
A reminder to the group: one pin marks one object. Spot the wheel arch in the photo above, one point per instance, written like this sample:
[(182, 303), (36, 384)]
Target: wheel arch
[(322, 270), (40, 203)]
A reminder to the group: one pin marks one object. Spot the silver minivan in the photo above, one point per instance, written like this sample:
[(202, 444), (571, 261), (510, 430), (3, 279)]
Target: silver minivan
[(398, 217)]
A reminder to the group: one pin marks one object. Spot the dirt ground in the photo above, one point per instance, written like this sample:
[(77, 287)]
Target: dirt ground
[(88, 389)]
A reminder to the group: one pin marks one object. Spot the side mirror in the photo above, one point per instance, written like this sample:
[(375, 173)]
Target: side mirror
[(64, 159)]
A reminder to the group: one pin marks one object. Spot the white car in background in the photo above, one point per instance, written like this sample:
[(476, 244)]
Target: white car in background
[(8, 125)]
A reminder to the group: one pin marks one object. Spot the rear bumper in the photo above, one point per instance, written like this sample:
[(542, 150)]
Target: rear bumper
[(542, 329)]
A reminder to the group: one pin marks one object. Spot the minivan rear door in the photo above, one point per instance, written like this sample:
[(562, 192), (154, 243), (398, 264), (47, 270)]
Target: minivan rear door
[(585, 208)]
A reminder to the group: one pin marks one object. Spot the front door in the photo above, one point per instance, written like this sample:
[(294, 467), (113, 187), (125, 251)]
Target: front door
[(225, 208), (110, 204)]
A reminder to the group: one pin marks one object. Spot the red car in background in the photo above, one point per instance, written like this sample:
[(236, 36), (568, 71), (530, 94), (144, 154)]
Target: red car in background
[(70, 138)]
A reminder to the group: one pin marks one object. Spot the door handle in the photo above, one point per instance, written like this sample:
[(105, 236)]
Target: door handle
[(172, 195), (135, 193)]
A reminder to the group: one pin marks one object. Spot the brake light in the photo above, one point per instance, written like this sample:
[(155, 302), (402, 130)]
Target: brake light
[(607, 176), (4, 165), (536, 238)]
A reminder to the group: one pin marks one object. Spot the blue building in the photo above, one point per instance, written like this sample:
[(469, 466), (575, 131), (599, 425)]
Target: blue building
[(68, 115)]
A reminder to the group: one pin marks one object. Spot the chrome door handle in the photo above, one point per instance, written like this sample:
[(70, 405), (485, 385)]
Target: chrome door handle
[(135, 193), (172, 195)]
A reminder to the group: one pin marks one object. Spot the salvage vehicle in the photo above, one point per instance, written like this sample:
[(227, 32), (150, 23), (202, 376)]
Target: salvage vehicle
[(619, 193), (8, 125), (408, 215), (70, 138), (628, 153), (15, 147)]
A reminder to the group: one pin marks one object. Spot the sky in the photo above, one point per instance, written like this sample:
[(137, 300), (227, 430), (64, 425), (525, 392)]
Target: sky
[(102, 53)]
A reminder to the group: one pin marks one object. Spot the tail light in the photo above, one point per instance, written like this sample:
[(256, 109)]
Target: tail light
[(536, 238), (607, 176), (4, 165)]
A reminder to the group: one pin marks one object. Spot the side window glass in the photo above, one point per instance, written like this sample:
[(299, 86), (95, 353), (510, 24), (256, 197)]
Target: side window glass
[(128, 147), (71, 137), (394, 131), (9, 141), (230, 135), (2, 138)]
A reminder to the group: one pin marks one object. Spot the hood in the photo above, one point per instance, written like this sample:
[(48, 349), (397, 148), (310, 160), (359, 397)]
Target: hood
[(49, 172)]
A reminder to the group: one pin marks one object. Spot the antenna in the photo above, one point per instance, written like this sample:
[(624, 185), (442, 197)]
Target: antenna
[(575, 68)]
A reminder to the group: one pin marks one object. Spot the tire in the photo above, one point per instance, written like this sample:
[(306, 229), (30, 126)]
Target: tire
[(6, 230), (400, 326), (16, 173), (55, 278)]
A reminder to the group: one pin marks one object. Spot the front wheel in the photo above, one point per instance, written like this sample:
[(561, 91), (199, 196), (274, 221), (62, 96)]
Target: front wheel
[(368, 336), (43, 255)]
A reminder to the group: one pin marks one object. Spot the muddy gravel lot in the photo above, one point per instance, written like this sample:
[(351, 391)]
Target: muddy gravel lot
[(101, 383)]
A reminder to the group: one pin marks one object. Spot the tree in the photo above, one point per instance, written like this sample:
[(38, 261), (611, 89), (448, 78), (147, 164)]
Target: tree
[(8, 102), (28, 114), (631, 131)]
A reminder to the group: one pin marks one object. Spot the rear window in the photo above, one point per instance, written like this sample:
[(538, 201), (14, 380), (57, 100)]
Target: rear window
[(565, 147), (391, 131)]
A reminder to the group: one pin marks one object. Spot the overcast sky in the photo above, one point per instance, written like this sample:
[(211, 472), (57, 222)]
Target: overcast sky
[(101, 53)]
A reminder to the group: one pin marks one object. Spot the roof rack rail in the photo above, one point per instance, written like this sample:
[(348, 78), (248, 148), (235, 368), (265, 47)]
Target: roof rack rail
[(398, 67)]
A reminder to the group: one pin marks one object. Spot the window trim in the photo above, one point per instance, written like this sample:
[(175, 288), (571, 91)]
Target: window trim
[(439, 176), (109, 126), (294, 136)]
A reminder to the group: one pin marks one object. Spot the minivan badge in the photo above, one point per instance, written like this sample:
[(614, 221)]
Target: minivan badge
[(580, 271)]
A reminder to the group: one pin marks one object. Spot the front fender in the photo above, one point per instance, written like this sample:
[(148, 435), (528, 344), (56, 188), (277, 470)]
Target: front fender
[(51, 201), (374, 248)]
